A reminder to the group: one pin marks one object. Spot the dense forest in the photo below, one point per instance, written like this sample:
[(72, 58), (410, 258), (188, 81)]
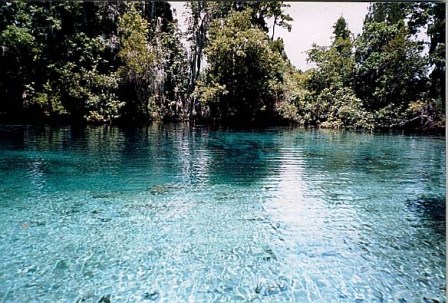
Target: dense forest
[(128, 62)]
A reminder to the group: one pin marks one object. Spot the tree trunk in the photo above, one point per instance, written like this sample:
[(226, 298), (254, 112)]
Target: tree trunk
[(273, 28)]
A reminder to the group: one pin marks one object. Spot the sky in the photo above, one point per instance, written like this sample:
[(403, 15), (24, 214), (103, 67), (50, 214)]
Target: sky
[(313, 23)]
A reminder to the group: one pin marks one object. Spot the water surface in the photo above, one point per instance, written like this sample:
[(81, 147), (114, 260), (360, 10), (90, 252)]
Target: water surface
[(180, 214)]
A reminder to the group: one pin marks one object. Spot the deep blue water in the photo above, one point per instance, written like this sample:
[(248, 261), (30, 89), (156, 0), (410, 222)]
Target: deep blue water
[(180, 214)]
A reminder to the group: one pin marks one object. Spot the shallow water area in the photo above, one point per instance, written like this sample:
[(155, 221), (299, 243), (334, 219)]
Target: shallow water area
[(187, 214)]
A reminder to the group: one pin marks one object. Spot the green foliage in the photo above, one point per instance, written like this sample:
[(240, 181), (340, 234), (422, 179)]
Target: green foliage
[(96, 92), (154, 67), (63, 59), (135, 52), (331, 102), (210, 91), (390, 70), (91, 61), (262, 10), (138, 59), (45, 101), (244, 76), (431, 17), (295, 98), (102, 62), (334, 64), (341, 30), (340, 108), (17, 39), (175, 65), (331, 68), (371, 82)]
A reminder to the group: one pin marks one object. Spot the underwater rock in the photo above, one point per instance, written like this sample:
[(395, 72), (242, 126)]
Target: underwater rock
[(432, 207), (270, 254), (432, 210), (61, 265), (152, 295), (223, 288), (105, 299), (269, 288), (159, 189), (283, 283)]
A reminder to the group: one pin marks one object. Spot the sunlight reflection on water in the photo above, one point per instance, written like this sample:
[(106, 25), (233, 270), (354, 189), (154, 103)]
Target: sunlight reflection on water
[(176, 214)]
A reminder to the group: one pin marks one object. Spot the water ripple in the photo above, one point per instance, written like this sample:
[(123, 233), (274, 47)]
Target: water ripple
[(177, 214)]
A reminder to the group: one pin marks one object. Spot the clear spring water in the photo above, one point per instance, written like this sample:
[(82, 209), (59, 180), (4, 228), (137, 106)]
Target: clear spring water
[(178, 214)]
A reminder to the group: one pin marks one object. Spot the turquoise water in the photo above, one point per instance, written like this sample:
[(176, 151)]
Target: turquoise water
[(179, 214)]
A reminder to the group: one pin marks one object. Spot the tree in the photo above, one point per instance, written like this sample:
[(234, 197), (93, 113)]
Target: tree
[(19, 51), (154, 69), (281, 19), (201, 15), (106, 61), (334, 64), (175, 65), (295, 98), (244, 76), (332, 102), (138, 59), (390, 71), (204, 12), (430, 17), (341, 30), (389, 13), (67, 70), (263, 10)]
